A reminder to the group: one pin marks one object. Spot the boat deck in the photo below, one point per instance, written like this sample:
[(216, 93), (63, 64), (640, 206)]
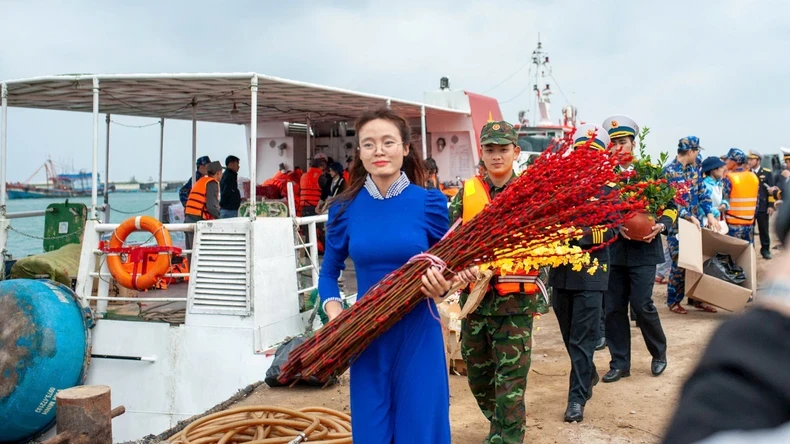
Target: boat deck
[(174, 312)]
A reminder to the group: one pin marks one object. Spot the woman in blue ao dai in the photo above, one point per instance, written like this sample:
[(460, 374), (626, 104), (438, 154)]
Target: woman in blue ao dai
[(399, 383)]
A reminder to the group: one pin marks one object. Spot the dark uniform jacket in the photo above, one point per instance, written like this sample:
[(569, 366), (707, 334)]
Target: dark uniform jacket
[(625, 252), (564, 277), (765, 200), (230, 196)]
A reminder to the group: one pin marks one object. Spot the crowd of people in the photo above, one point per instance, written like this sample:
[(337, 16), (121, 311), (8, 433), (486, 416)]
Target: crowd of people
[(392, 209), (387, 205)]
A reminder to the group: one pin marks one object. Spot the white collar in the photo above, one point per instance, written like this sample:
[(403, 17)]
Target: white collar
[(395, 189)]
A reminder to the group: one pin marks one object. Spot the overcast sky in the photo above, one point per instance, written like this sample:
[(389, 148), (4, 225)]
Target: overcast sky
[(714, 69)]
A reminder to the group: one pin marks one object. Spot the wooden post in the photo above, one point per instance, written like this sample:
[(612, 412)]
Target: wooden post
[(84, 414)]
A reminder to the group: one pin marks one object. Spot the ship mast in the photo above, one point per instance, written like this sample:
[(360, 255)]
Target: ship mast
[(540, 58), (542, 88)]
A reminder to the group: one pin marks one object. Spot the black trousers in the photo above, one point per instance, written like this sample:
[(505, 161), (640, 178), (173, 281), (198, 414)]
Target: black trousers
[(632, 285), (602, 325), (765, 232), (579, 314)]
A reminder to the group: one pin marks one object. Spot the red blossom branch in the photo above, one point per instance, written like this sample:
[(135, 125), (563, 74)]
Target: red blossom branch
[(563, 191)]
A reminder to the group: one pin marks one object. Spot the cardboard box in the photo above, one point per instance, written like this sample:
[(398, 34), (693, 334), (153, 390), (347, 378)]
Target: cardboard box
[(696, 247)]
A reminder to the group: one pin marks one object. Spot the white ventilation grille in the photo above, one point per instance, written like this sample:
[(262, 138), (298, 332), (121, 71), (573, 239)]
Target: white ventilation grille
[(220, 271)]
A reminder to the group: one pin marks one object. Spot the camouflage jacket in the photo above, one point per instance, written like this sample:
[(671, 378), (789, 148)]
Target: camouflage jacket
[(494, 304)]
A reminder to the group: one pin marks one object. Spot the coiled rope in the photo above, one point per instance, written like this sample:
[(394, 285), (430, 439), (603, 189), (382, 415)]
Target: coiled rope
[(268, 425)]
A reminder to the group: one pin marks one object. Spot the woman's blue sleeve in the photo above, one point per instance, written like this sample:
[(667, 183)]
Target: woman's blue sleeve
[(335, 254), (437, 221)]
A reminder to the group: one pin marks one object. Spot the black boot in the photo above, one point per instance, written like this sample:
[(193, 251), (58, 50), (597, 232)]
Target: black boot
[(616, 374), (574, 412)]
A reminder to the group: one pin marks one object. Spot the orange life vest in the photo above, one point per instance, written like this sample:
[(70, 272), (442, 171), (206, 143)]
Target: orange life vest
[(196, 203), (743, 197), (276, 179), (310, 191), (475, 198)]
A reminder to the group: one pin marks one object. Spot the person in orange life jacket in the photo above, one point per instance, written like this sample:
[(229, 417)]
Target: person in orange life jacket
[(349, 159), (577, 295), (741, 188), (766, 198), (203, 201), (433, 174), (496, 337), (183, 192), (310, 188), (632, 276)]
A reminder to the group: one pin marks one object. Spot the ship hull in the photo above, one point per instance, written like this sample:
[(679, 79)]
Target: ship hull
[(39, 193)]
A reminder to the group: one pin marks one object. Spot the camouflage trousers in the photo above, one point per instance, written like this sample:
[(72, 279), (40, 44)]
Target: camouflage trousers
[(742, 232), (676, 288), (497, 351)]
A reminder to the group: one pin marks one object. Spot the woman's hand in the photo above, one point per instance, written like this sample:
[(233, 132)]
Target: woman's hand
[(694, 221), (713, 223), (333, 309), (434, 285), (471, 274)]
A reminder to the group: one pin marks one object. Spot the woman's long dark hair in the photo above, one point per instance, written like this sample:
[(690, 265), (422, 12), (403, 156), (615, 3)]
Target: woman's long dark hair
[(413, 165)]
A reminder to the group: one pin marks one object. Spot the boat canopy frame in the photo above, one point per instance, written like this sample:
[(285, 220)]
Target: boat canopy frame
[(231, 98)]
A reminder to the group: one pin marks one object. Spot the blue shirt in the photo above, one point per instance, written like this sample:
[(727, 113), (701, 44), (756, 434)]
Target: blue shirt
[(697, 200), (712, 187)]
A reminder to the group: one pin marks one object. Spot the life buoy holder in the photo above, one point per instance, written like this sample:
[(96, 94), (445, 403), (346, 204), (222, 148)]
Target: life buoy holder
[(141, 277)]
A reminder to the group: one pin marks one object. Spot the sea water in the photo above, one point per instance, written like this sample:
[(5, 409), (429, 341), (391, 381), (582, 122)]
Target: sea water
[(19, 245)]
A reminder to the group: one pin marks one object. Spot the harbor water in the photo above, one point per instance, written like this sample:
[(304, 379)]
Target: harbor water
[(24, 236)]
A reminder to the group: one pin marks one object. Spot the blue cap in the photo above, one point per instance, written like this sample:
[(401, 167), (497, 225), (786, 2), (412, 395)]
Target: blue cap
[(736, 156), (689, 143), (588, 131), (203, 161), (711, 163)]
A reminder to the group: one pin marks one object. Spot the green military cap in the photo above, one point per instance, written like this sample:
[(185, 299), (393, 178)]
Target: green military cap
[(498, 133)]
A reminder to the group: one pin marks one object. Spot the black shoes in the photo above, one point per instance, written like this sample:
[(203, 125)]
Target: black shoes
[(616, 374), (601, 344), (658, 366), (574, 412), (766, 254)]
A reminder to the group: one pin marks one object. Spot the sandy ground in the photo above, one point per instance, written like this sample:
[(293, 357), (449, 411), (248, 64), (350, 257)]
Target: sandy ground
[(632, 410)]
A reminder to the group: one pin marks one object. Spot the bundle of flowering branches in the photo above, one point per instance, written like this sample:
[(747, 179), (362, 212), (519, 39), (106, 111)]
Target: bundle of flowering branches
[(535, 222)]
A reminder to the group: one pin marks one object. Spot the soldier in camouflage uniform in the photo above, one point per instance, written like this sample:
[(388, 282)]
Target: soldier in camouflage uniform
[(693, 204), (496, 338)]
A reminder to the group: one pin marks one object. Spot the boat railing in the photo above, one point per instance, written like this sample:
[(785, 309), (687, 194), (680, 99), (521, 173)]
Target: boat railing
[(5, 228), (104, 276), (306, 250)]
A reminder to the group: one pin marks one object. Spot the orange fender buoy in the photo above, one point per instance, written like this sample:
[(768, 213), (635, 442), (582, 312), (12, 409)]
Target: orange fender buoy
[(149, 275)]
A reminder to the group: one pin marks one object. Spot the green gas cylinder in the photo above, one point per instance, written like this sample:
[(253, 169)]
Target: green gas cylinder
[(63, 224)]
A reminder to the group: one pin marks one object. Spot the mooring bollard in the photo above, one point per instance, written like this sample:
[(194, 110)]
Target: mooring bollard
[(84, 415)]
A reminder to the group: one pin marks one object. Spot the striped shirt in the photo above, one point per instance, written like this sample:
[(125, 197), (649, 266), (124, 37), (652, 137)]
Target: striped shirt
[(395, 189)]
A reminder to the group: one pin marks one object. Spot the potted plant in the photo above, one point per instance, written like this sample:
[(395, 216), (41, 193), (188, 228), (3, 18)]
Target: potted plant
[(658, 193)]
